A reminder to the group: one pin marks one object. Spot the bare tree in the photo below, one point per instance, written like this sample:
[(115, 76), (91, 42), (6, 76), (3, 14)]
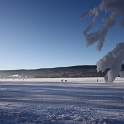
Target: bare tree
[(113, 59)]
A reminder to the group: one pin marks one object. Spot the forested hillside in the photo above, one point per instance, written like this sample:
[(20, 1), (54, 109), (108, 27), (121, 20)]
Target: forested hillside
[(60, 72)]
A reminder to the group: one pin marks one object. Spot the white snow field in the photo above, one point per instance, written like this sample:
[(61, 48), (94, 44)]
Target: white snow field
[(50, 101)]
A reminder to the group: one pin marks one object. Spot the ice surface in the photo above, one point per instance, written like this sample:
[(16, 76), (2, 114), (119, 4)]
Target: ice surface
[(78, 101)]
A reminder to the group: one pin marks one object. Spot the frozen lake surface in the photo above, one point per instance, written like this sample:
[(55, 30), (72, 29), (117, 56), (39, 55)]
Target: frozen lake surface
[(80, 101)]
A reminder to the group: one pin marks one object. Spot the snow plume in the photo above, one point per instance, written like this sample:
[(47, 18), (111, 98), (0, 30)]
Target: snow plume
[(112, 60), (115, 58), (116, 7)]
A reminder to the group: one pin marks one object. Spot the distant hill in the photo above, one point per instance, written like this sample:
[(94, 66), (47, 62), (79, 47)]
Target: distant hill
[(59, 72)]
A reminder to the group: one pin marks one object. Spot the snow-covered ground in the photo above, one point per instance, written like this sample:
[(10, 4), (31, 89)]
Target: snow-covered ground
[(50, 101)]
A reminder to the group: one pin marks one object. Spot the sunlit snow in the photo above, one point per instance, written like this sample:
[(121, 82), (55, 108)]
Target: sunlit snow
[(50, 101)]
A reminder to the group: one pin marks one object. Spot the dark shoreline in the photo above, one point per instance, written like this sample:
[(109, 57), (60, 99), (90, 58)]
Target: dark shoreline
[(58, 72)]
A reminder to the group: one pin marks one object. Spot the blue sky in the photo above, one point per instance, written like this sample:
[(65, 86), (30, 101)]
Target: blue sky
[(49, 33)]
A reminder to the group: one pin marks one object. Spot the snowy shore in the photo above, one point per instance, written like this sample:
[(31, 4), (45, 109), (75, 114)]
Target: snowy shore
[(87, 79), (50, 101)]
